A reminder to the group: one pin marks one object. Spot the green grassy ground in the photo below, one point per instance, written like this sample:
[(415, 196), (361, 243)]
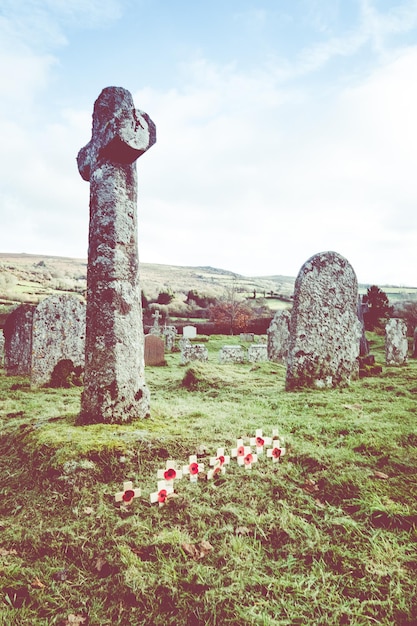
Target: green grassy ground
[(326, 536)]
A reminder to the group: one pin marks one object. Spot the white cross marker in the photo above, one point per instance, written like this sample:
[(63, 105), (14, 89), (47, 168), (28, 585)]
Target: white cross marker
[(162, 493), (128, 494), (193, 468), (218, 464)]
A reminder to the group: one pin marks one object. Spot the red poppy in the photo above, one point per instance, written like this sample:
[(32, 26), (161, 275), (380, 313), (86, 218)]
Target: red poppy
[(162, 495), (170, 474), (194, 469), (248, 459), (128, 495), (221, 459), (241, 451), (260, 442), (276, 453)]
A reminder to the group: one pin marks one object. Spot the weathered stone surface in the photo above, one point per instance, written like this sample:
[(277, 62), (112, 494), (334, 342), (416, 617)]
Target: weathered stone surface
[(396, 343), (156, 328), (115, 388), (324, 327), (278, 335), (154, 350), (258, 353), (18, 341), (170, 334), (193, 352), (58, 333), (232, 354)]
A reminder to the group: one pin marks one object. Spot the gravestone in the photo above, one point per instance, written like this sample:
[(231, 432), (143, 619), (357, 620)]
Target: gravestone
[(193, 352), (414, 355), (156, 329), (278, 335), (246, 337), (154, 350), (232, 354), (324, 327), (258, 353), (190, 332), (396, 343), (170, 334), (58, 333), (17, 333), (114, 381)]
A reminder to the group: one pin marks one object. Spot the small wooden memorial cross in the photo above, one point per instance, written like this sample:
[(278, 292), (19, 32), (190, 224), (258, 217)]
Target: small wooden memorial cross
[(259, 441), (162, 493), (114, 379), (218, 463), (128, 494), (193, 468), (244, 454), (277, 450), (170, 473)]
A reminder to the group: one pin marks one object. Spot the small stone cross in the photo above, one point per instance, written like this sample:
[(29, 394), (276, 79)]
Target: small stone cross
[(156, 317)]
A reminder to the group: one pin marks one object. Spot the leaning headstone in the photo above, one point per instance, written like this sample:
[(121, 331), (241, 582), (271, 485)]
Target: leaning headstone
[(396, 343), (58, 333), (278, 335), (190, 332), (17, 333), (258, 353), (193, 352), (114, 381), (324, 327), (232, 354), (154, 350)]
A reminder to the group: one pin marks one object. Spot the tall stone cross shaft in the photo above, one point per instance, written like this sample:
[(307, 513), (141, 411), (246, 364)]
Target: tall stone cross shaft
[(114, 380)]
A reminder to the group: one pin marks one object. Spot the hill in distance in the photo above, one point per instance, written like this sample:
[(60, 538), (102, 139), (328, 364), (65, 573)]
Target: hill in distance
[(30, 277)]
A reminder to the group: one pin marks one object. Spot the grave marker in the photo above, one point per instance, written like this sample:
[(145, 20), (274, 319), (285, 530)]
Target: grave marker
[(154, 350), (396, 342), (17, 333), (189, 332), (58, 334), (324, 329), (114, 383)]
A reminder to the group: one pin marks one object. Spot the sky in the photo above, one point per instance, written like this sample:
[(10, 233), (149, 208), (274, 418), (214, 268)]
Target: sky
[(285, 128)]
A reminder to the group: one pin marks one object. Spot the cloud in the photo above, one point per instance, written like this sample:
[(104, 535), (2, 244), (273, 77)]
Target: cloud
[(273, 176)]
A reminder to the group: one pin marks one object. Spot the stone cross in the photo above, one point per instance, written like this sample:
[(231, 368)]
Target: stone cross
[(156, 317), (114, 382)]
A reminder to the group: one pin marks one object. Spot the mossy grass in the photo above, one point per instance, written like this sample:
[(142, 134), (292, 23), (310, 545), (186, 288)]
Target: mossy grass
[(326, 536)]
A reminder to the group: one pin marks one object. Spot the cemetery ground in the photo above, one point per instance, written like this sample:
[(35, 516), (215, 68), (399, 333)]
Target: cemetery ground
[(325, 536)]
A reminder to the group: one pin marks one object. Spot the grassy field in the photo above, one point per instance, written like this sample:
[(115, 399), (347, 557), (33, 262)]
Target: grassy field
[(327, 536)]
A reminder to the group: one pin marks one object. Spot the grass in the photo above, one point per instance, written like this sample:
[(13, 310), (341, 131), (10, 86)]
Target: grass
[(326, 536)]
